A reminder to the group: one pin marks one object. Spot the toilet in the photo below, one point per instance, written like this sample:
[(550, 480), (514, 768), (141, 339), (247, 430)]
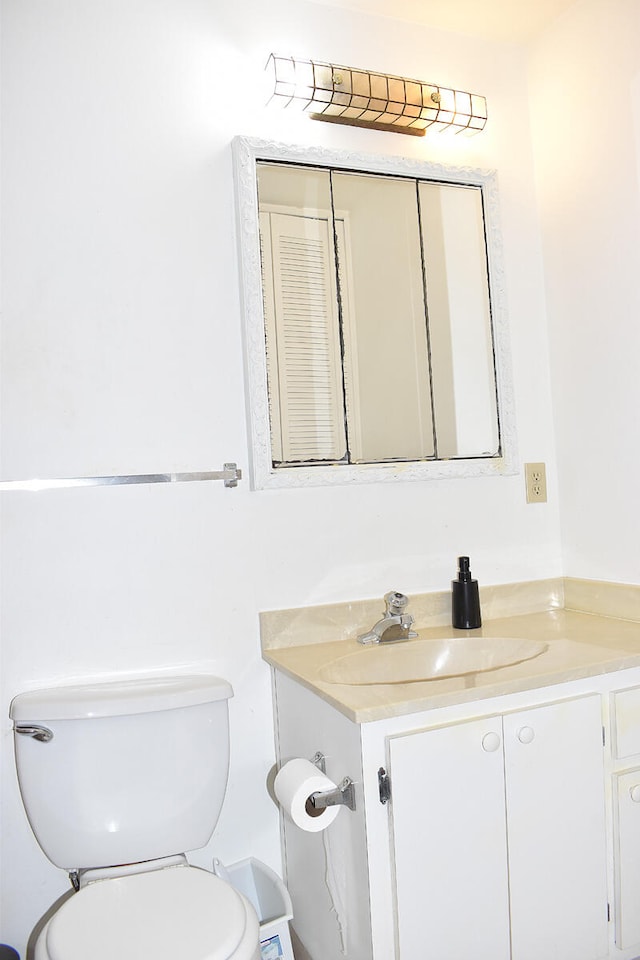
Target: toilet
[(119, 780)]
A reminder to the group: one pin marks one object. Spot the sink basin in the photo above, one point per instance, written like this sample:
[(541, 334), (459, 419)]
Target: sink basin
[(426, 659)]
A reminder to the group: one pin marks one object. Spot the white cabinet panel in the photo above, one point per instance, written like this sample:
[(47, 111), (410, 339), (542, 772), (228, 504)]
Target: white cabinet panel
[(499, 837), (627, 858), (626, 722), (450, 844), (556, 831)]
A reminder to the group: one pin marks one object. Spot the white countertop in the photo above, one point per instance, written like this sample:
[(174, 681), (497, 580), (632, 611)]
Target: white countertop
[(579, 645)]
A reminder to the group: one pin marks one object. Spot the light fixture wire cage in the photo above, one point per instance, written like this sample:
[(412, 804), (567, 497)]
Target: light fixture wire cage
[(375, 100)]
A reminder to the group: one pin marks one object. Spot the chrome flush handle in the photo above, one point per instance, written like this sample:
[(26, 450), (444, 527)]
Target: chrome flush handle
[(43, 734)]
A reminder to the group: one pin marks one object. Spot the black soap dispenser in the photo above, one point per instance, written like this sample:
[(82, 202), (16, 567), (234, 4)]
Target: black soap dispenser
[(465, 599)]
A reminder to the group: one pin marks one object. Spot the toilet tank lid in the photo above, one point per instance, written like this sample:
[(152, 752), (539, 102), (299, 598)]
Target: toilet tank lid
[(121, 697)]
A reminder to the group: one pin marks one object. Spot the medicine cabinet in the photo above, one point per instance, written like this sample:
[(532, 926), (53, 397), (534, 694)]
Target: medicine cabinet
[(375, 330)]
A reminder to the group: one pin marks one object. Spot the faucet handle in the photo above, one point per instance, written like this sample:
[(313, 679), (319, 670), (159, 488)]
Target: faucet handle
[(396, 603)]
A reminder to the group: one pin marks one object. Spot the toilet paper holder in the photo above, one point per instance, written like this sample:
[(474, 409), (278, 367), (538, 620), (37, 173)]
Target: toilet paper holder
[(343, 795)]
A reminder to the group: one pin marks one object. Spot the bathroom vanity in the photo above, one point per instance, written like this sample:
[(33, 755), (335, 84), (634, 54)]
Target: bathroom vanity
[(497, 812)]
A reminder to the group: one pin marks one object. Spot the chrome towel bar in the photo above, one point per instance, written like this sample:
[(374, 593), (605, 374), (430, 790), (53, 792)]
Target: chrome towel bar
[(230, 474)]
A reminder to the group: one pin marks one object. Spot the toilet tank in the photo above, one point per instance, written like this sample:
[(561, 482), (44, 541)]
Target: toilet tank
[(135, 770)]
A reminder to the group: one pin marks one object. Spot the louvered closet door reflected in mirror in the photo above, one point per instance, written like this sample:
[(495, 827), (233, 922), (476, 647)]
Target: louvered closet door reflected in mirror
[(306, 394)]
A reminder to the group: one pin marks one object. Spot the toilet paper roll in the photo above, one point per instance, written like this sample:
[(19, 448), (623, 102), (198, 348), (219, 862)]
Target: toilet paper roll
[(294, 784)]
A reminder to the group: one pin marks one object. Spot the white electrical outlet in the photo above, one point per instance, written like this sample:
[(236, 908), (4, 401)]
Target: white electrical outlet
[(536, 482)]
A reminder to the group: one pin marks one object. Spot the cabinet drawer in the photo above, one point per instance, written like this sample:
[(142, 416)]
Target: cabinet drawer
[(626, 722)]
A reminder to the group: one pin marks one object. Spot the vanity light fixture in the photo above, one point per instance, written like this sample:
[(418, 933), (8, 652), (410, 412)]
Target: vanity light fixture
[(363, 98)]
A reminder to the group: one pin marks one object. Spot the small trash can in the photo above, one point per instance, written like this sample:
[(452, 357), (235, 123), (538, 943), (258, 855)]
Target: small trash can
[(268, 894)]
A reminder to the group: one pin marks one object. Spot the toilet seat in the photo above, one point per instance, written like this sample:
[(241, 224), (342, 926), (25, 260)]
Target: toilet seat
[(178, 913)]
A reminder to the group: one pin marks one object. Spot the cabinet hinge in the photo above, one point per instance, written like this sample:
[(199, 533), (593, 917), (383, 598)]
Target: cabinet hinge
[(384, 786), (604, 737), (608, 913)]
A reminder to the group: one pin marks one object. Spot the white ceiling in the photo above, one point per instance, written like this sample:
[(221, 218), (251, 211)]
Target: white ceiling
[(516, 21)]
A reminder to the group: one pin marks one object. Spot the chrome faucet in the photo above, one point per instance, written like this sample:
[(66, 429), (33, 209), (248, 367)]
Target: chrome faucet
[(395, 624)]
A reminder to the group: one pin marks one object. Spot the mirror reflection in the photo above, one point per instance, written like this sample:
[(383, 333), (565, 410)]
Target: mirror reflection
[(378, 322)]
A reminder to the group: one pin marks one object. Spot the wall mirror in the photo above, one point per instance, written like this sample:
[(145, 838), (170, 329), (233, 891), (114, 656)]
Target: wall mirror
[(375, 332)]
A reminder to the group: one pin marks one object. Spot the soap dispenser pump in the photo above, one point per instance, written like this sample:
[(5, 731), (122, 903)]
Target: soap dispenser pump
[(465, 599)]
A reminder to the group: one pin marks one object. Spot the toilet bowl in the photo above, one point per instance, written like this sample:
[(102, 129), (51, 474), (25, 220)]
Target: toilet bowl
[(126, 774), (168, 914)]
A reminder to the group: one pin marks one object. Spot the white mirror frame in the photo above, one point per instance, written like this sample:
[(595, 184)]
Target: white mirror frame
[(246, 152)]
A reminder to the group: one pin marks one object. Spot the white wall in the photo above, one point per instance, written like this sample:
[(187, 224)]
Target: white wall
[(585, 95), (122, 354)]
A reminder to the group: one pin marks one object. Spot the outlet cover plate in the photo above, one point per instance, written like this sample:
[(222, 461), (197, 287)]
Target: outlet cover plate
[(536, 482)]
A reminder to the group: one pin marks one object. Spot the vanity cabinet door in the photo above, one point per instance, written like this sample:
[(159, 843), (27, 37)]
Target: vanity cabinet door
[(449, 842), (554, 771), (498, 835), (627, 857)]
